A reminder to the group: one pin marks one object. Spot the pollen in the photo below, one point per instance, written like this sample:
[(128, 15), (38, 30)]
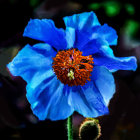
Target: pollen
[(72, 68), (71, 75)]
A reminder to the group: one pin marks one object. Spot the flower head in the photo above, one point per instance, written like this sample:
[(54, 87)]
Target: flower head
[(71, 70)]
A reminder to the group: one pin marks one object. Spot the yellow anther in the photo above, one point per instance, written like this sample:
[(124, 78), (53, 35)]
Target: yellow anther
[(71, 74)]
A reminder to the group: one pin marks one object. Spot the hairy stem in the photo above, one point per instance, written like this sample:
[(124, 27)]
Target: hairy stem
[(69, 128)]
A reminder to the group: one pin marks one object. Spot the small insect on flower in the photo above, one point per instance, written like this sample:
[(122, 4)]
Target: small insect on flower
[(72, 69)]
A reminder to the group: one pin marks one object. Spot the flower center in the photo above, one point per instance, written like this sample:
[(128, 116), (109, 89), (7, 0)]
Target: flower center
[(72, 68)]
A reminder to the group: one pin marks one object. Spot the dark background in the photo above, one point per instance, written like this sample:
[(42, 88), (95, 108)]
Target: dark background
[(16, 119)]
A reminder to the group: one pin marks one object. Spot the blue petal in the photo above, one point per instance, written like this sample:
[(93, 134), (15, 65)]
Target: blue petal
[(91, 41), (87, 100), (106, 58), (49, 100), (70, 37), (82, 38), (91, 47), (32, 61), (104, 81), (47, 96), (82, 21), (105, 32), (45, 30)]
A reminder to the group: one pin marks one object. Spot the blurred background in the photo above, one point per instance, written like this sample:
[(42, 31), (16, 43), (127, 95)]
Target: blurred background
[(16, 119)]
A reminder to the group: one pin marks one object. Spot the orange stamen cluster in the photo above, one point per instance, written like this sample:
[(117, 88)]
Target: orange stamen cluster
[(72, 68)]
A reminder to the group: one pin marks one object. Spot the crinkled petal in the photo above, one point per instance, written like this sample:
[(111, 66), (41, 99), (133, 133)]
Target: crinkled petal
[(93, 46), (105, 32), (106, 58), (32, 62), (104, 35), (87, 100), (45, 30), (70, 37), (82, 21), (104, 81), (49, 100)]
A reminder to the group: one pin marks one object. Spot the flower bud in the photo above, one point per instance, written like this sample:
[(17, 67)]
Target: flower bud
[(90, 129)]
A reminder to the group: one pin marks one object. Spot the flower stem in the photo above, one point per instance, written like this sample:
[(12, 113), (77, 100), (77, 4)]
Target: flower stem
[(69, 128)]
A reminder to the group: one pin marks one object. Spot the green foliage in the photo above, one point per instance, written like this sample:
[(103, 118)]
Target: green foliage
[(112, 8), (130, 9), (131, 27), (94, 6), (34, 3)]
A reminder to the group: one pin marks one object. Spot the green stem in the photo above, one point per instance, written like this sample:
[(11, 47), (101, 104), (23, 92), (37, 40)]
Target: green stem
[(69, 128)]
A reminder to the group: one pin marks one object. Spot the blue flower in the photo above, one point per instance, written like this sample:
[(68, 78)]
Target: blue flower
[(72, 69)]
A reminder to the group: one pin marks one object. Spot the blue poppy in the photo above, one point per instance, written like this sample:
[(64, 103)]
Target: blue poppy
[(72, 69)]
